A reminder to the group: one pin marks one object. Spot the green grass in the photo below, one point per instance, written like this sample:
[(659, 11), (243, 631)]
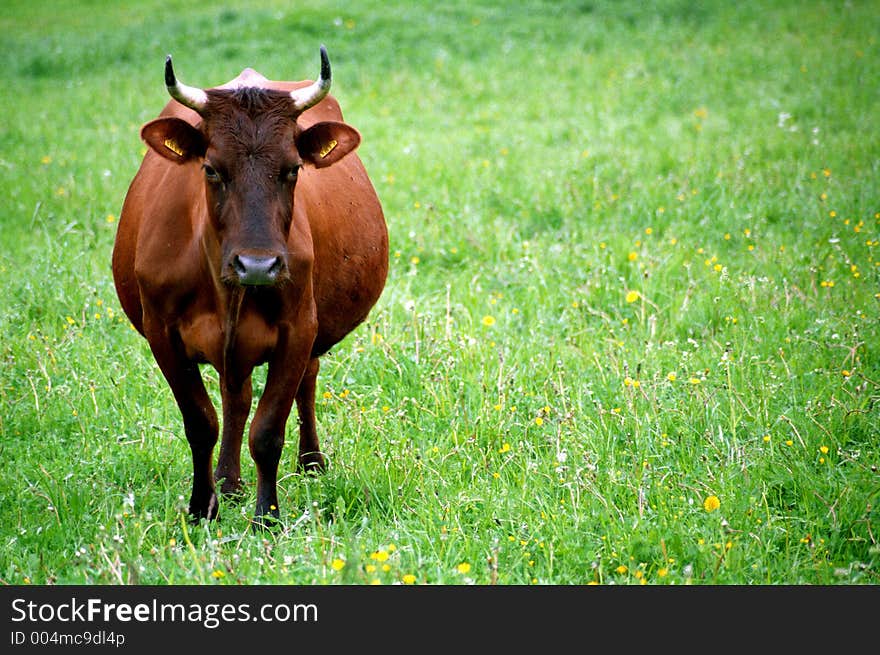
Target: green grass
[(634, 266)]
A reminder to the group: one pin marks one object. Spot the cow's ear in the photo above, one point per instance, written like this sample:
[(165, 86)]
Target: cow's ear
[(326, 143), (174, 139)]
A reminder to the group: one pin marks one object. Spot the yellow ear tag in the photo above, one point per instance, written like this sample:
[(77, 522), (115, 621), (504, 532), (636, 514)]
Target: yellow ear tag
[(171, 144), (328, 148)]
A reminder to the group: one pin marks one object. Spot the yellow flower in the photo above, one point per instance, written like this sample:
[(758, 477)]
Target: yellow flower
[(632, 256), (695, 381), (337, 564), (463, 568), (632, 296), (504, 448), (218, 574), (823, 450), (488, 321), (539, 420), (671, 377), (409, 578), (661, 573), (711, 503), (379, 555), (621, 569)]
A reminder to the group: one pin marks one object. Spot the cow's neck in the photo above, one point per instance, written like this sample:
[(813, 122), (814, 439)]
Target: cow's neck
[(234, 297), (229, 298)]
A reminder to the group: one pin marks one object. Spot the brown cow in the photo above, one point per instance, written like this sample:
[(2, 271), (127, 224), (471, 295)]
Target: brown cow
[(251, 234)]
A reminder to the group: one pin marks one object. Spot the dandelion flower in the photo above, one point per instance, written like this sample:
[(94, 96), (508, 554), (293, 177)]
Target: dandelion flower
[(823, 450), (337, 564), (671, 377), (711, 503), (621, 569), (218, 574), (409, 578), (488, 321), (632, 296), (463, 568)]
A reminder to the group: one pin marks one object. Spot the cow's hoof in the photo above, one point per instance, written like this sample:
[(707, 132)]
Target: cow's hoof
[(204, 509), (231, 488), (312, 462), (266, 522)]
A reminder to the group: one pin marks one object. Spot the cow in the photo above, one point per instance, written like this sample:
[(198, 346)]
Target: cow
[(251, 234)]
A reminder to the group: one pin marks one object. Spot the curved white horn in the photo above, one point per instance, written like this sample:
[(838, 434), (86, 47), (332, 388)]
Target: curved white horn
[(313, 94), (189, 96)]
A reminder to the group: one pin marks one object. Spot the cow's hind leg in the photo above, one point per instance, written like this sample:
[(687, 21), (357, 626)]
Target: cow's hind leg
[(236, 407), (310, 457)]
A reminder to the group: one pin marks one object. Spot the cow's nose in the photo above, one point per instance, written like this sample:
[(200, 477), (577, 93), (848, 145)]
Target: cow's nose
[(256, 271)]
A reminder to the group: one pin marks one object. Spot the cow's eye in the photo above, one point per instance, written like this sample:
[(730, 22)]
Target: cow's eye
[(289, 174), (211, 173)]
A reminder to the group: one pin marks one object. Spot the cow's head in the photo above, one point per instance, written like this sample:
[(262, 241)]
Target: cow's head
[(251, 151)]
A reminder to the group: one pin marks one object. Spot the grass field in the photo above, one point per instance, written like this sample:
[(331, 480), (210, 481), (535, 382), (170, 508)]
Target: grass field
[(630, 331)]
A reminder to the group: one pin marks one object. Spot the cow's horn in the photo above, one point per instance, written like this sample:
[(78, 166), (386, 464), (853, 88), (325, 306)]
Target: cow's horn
[(313, 94), (190, 96)]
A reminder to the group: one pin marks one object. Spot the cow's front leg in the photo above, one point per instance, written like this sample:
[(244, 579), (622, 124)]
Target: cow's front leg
[(236, 397), (199, 419), (266, 437)]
